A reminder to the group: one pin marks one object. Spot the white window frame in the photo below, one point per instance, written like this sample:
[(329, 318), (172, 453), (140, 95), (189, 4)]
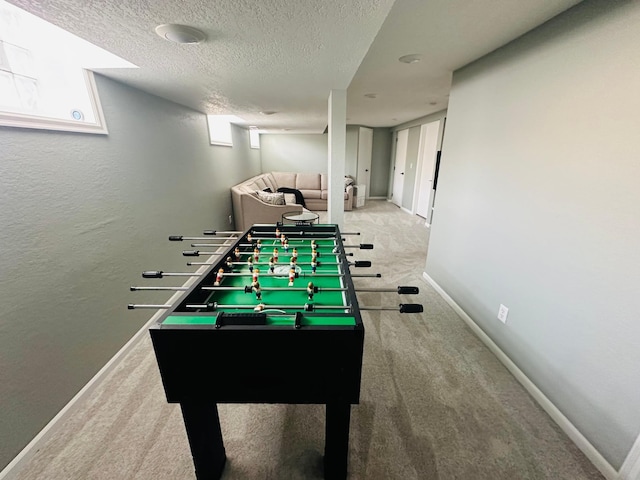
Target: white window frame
[(22, 120)]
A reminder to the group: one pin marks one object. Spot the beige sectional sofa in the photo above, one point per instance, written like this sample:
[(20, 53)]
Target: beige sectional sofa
[(248, 209)]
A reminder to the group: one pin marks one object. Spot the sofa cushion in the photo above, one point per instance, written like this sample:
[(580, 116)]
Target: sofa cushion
[(260, 183), (325, 195), (271, 198), (271, 183), (310, 193), (285, 179), (308, 181)]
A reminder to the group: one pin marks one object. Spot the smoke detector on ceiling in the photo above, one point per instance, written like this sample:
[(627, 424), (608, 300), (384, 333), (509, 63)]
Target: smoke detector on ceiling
[(180, 33)]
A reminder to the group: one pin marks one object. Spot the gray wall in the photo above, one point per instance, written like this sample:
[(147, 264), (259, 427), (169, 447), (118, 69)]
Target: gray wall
[(539, 209), (294, 153), (82, 215), (309, 153)]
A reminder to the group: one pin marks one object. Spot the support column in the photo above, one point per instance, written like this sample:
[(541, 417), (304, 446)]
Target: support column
[(337, 149)]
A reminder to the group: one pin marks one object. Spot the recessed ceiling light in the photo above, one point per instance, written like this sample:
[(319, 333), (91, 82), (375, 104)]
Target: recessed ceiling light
[(267, 112), (433, 103), (413, 58), (371, 95), (180, 33)]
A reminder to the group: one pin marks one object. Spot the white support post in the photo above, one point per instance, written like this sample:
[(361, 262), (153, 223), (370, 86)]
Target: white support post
[(337, 149)]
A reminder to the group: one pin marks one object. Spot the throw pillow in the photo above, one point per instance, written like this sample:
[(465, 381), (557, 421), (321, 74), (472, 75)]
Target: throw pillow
[(271, 198)]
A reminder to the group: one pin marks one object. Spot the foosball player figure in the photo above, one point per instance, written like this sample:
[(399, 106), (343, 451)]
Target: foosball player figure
[(256, 254), (249, 237), (258, 308), (286, 245), (236, 255), (292, 275), (254, 276), (259, 245), (275, 254), (250, 263), (256, 289), (277, 232), (294, 253), (292, 263), (283, 239), (229, 264), (219, 276), (310, 290), (314, 246), (314, 265), (272, 264)]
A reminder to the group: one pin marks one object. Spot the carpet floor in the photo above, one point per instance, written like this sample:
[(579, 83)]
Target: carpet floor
[(435, 403)]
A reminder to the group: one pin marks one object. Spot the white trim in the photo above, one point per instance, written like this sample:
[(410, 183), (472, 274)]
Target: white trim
[(12, 470), (21, 120), (630, 469), (563, 422)]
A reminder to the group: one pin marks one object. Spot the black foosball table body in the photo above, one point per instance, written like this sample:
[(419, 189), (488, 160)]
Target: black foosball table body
[(305, 355)]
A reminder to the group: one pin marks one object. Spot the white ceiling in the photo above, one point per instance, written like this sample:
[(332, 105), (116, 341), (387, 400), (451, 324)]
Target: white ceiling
[(286, 55)]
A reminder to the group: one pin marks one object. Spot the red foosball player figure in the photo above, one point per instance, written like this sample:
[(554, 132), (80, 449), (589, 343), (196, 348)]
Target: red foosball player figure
[(292, 275), (250, 263), (283, 239), (256, 254), (275, 254), (219, 277), (236, 254), (257, 291), (256, 273), (310, 290), (294, 253), (272, 264), (258, 308), (277, 232)]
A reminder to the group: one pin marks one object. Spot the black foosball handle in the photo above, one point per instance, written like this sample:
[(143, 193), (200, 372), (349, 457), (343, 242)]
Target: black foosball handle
[(152, 274), (191, 253), (362, 263), (366, 246), (175, 238), (411, 308), (408, 290)]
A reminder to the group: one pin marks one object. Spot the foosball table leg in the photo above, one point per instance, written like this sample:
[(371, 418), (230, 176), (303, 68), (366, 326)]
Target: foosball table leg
[(205, 439), (336, 442)]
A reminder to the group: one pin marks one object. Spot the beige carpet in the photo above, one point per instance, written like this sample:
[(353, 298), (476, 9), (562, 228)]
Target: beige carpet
[(435, 403)]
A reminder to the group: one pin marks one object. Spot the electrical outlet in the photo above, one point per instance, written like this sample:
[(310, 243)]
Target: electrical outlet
[(230, 219), (502, 313)]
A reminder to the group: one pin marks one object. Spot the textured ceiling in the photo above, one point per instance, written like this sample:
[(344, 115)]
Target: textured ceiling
[(286, 55)]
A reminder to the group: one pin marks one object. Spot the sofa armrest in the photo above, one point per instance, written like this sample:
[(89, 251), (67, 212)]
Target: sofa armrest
[(256, 211)]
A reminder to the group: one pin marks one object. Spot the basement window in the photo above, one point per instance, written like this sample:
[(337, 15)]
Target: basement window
[(254, 137), (45, 81)]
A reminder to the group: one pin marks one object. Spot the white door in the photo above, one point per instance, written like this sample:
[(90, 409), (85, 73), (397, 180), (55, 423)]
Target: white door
[(365, 150), (398, 168), (426, 167)]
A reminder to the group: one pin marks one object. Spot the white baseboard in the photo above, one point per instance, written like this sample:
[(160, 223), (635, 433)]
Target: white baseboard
[(563, 422), (630, 469)]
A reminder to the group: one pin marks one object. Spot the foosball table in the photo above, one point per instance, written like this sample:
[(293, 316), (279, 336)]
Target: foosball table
[(273, 318)]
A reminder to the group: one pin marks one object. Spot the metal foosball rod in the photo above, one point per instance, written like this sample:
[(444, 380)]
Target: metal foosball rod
[(304, 275), (307, 307), (223, 232), (400, 290), (177, 289), (161, 274), (180, 238), (283, 253)]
